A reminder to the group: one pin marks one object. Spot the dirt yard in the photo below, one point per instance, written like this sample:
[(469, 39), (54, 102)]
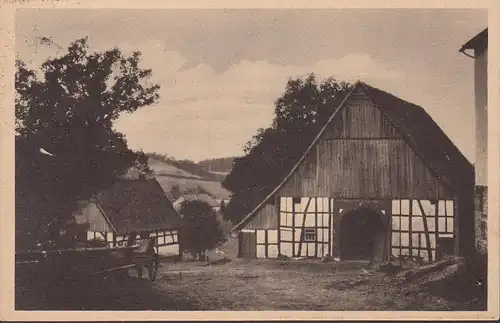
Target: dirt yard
[(251, 285)]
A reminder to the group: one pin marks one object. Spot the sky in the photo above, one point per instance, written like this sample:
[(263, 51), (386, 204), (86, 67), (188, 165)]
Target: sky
[(221, 71)]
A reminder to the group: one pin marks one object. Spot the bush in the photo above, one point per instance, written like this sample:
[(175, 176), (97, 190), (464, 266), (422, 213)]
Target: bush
[(201, 230)]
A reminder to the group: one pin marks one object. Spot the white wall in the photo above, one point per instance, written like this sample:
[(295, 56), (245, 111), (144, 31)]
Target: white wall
[(440, 224), (171, 250), (481, 98)]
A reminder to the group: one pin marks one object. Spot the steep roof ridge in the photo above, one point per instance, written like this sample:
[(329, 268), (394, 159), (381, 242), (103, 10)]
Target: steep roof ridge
[(417, 112), (398, 119), (300, 161)]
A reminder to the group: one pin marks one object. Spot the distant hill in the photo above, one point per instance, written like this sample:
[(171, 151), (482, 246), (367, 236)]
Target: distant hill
[(164, 165), (213, 188), (186, 175), (166, 168), (218, 165)]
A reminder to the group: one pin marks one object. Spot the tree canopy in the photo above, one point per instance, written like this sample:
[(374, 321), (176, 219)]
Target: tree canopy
[(68, 111), (201, 230), (299, 113)]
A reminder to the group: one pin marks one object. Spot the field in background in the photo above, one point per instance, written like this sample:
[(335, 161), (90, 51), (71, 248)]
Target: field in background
[(161, 168), (213, 187)]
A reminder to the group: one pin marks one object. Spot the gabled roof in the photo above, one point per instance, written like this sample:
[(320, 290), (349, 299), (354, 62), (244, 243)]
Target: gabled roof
[(137, 205), (419, 131)]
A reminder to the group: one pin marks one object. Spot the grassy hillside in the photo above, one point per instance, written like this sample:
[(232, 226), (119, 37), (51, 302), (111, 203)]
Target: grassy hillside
[(169, 166), (187, 175), (213, 187), (162, 168)]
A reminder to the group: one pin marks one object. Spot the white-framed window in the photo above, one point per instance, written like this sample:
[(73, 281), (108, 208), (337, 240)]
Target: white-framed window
[(309, 234)]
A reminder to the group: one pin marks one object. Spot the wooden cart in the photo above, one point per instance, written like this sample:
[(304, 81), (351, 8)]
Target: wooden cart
[(85, 263)]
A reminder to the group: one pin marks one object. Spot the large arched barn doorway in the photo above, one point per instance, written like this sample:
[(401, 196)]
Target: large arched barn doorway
[(363, 235)]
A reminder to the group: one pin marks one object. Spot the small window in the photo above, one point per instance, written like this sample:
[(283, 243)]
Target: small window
[(309, 235), (297, 200)]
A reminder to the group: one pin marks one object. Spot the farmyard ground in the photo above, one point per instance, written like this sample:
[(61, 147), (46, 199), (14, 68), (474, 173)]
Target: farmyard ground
[(250, 285)]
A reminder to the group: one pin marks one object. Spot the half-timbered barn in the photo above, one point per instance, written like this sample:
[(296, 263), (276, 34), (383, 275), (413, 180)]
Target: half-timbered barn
[(380, 178), (132, 207)]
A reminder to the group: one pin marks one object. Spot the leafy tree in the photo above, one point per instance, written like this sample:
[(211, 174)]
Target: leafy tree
[(218, 164), (300, 112), (69, 112), (201, 230)]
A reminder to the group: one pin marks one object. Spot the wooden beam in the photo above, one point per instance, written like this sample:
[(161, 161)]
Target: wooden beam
[(426, 229), (316, 223), (293, 227), (410, 228), (436, 225), (317, 163), (108, 271), (330, 232), (303, 226), (279, 224), (240, 245), (266, 243), (388, 239)]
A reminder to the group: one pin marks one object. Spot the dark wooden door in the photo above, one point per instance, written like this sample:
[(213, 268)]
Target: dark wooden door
[(247, 244)]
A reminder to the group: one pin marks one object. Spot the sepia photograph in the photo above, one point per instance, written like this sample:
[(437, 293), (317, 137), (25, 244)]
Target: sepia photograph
[(257, 159)]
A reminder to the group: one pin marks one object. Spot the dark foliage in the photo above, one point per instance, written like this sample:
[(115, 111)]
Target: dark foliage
[(224, 164), (69, 112), (201, 230), (300, 112)]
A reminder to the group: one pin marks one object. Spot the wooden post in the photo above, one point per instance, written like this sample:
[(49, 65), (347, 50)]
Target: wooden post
[(388, 241), (293, 227), (436, 227), (410, 229), (279, 223), (316, 224), (426, 229), (240, 244), (303, 226), (266, 243), (330, 232)]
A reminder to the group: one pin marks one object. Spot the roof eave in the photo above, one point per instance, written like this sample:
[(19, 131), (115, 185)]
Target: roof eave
[(478, 42)]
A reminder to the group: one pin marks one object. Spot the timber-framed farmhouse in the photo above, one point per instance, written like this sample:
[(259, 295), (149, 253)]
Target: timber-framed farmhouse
[(132, 207), (380, 178)]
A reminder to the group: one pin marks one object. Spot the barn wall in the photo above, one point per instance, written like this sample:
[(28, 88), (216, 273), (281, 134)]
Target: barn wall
[(169, 250), (409, 234), (320, 217), (305, 226), (266, 218), (166, 242), (247, 244), (360, 119), (91, 213), (361, 156), (481, 114)]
